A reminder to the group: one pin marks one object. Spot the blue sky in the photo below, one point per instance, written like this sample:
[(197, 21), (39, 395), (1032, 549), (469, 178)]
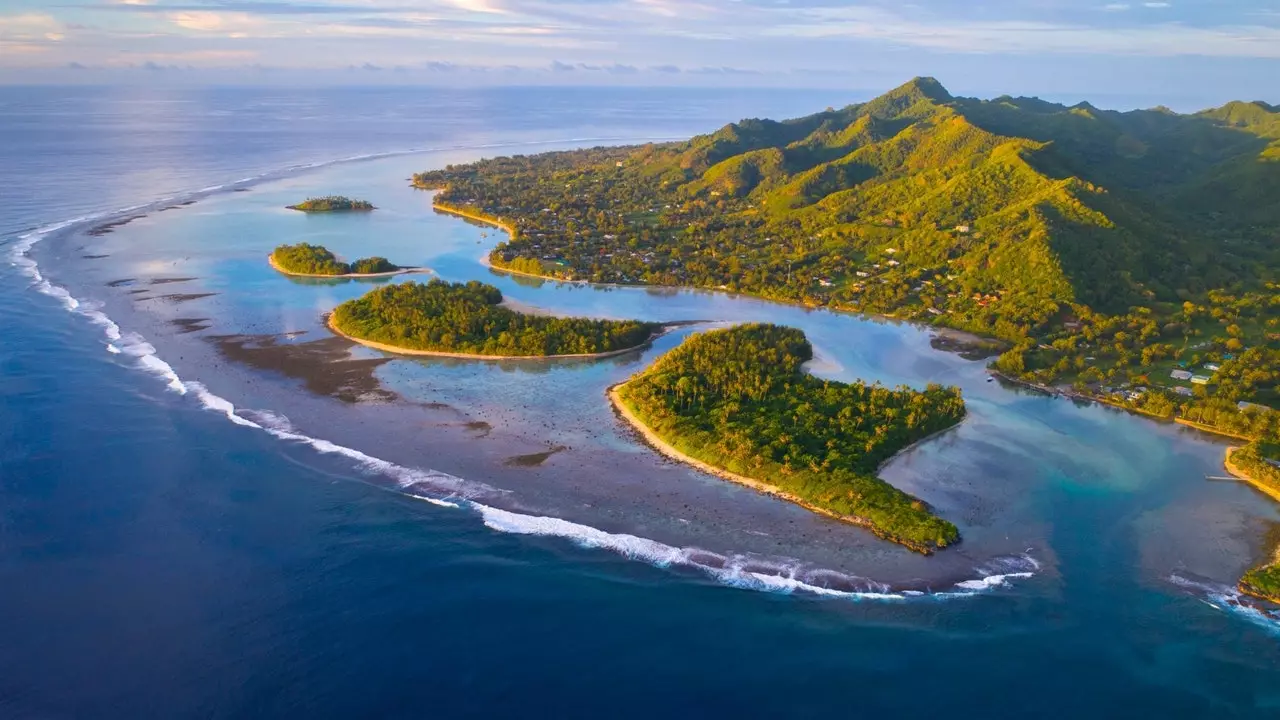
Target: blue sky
[(1056, 46)]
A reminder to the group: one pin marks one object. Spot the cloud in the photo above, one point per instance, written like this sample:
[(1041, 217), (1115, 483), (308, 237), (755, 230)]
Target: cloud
[(215, 22), (29, 33), (1030, 37), (478, 6)]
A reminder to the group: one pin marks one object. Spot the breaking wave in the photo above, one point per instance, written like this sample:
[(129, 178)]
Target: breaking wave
[(444, 490), (1229, 599)]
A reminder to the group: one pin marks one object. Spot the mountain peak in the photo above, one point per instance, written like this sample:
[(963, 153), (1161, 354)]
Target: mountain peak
[(926, 87)]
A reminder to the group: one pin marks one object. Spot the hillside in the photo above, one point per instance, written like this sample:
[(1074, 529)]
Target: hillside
[(1080, 236)]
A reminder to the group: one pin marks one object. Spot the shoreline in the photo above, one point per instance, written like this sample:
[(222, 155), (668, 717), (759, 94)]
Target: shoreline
[(506, 227), (395, 350), (1053, 391), (348, 276), (1243, 475), (662, 447)]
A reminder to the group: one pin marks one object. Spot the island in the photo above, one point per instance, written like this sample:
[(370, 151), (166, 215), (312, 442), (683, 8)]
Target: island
[(1121, 257), (738, 403), (470, 321), (316, 261), (1258, 464), (332, 203)]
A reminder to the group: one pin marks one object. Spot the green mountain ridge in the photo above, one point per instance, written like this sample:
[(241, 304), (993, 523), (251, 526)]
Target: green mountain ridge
[(1013, 217)]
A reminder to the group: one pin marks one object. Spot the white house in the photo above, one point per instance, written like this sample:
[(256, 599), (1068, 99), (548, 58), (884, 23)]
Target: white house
[(1180, 374)]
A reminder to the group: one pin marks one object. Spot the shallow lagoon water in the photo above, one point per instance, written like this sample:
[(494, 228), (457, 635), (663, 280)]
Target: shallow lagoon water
[(1135, 549), (998, 475)]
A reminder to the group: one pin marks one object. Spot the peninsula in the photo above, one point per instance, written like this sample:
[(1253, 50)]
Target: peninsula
[(332, 203), (316, 261), (737, 403), (1257, 464), (469, 320)]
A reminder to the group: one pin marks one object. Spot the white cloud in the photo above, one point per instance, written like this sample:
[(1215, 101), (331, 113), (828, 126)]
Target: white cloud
[(28, 32), (478, 6), (219, 22)]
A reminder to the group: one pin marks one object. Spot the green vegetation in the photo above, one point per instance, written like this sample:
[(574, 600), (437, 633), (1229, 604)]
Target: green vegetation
[(373, 266), (738, 399), (469, 319), (1106, 249), (1263, 582), (1260, 462), (332, 203), (304, 259)]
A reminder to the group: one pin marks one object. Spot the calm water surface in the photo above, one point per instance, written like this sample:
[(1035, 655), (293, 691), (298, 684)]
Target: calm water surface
[(161, 555)]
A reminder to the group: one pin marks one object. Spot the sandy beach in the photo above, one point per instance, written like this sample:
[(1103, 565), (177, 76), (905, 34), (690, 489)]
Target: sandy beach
[(1240, 473)]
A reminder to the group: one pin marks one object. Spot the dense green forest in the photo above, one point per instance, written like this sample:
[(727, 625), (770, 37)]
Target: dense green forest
[(739, 399), (1107, 249), (307, 259), (332, 203), (469, 318)]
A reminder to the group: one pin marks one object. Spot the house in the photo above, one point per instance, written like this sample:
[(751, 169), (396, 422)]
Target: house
[(1183, 391), (1213, 367), (825, 282), (962, 229), (1180, 374), (1242, 405), (862, 274), (1200, 379)]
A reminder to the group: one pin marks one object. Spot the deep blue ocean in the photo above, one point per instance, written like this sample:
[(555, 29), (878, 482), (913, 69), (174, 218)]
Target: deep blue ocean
[(187, 533)]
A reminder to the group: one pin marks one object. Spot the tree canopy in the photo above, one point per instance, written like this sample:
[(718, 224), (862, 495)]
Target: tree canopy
[(739, 399), (332, 203), (469, 318), (306, 259)]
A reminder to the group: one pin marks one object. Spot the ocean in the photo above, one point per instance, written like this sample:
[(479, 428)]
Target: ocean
[(207, 508)]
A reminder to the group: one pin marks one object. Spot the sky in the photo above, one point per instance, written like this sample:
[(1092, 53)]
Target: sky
[(1210, 49)]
